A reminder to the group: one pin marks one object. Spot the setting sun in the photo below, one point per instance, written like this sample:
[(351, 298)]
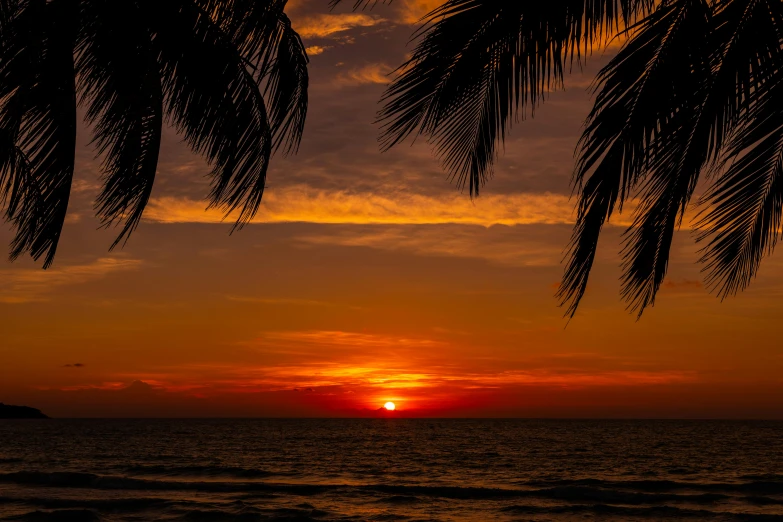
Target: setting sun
[(389, 406)]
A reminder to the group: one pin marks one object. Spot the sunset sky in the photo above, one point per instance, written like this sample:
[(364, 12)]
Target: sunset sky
[(368, 278)]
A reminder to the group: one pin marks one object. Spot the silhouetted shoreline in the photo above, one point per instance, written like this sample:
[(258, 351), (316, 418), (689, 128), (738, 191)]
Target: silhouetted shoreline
[(8, 411)]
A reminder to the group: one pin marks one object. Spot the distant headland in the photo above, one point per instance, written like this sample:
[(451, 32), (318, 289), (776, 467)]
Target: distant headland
[(20, 412)]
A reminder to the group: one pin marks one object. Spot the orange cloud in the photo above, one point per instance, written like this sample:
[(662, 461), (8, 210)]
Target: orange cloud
[(362, 369), (315, 50), (301, 204), (375, 73), (349, 339), (365, 386), (412, 11), (326, 25)]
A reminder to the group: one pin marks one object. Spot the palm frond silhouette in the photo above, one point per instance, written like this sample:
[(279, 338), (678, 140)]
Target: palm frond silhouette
[(229, 75), (696, 91)]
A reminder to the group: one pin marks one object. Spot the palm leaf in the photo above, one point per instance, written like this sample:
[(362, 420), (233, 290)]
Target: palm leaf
[(676, 154), (14, 173), (287, 81), (642, 90), (206, 64), (357, 4), (121, 84), (480, 64), (215, 102), (43, 117), (743, 220), (746, 40), (696, 93), (265, 38)]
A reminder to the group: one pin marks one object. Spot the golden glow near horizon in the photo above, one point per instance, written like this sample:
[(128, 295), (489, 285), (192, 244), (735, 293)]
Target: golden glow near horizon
[(367, 277), (389, 406)]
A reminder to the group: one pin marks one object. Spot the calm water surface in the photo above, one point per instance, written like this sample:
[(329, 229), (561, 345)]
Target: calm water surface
[(390, 469)]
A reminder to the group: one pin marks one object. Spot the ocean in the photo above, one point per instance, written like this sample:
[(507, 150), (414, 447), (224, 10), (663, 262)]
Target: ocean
[(390, 469)]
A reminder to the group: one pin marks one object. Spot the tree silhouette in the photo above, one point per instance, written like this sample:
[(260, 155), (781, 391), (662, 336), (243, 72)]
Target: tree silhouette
[(695, 92), (229, 75)]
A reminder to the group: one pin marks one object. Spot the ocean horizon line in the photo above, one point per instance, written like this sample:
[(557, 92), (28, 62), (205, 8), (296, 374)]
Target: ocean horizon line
[(400, 417)]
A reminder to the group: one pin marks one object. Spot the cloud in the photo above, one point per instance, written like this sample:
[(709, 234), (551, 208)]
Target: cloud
[(28, 285), (508, 246), (74, 365), (327, 25), (373, 364), (374, 73), (315, 50), (354, 370), (304, 204), (412, 11), (407, 12), (372, 381), (353, 339), (136, 387), (301, 204)]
